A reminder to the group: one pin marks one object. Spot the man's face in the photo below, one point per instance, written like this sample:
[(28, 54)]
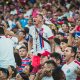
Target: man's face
[(37, 20), (21, 36), (22, 52), (30, 22), (65, 28), (63, 45), (68, 54)]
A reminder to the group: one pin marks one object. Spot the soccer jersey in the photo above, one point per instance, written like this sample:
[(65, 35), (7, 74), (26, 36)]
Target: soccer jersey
[(25, 62), (39, 44), (69, 70)]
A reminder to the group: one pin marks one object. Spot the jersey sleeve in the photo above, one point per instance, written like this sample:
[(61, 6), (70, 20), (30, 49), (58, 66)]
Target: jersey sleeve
[(77, 63), (49, 33)]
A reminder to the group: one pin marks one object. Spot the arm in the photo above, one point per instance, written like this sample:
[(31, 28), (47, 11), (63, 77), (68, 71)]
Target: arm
[(7, 32), (39, 77), (52, 45), (70, 39), (70, 36), (19, 25), (40, 74), (30, 44), (5, 25)]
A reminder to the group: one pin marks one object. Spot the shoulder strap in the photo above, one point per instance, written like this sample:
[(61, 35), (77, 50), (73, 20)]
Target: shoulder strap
[(43, 37)]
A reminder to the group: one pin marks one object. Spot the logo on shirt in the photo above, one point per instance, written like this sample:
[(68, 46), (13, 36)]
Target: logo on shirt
[(68, 71)]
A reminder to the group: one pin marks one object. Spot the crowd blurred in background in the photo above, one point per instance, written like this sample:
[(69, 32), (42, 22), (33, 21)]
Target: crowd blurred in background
[(39, 39)]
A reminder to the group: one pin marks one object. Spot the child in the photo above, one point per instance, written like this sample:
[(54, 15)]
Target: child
[(24, 57)]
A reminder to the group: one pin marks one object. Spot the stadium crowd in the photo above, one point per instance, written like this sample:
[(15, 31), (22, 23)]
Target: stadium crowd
[(39, 39)]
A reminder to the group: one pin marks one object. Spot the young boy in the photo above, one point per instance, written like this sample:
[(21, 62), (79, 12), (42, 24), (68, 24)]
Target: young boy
[(24, 57)]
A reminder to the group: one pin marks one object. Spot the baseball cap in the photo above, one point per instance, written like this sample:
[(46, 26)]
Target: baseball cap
[(45, 53)]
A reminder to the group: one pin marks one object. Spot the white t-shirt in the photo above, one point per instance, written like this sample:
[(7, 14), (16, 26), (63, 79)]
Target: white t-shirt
[(38, 44), (69, 70), (6, 52)]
